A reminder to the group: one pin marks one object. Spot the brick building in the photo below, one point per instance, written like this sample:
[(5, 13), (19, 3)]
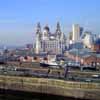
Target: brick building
[(84, 56), (96, 46)]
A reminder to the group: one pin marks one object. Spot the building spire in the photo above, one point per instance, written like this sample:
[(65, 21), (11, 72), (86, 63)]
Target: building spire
[(58, 29), (38, 28)]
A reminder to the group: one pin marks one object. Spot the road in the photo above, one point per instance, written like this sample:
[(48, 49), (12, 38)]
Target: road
[(49, 73)]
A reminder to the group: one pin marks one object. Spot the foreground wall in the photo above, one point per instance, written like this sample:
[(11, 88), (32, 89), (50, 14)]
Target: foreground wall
[(52, 86)]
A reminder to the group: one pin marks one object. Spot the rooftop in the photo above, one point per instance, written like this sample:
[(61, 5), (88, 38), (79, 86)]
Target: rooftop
[(84, 52), (97, 41)]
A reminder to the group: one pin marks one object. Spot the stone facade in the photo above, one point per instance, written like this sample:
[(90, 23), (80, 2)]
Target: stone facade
[(49, 42)]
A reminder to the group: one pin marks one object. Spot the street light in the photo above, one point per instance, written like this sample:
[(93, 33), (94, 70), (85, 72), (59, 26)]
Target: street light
[(66, 71)]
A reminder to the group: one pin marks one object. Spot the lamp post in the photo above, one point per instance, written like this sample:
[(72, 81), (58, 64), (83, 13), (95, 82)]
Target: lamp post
[(96, 62), (66, 71)]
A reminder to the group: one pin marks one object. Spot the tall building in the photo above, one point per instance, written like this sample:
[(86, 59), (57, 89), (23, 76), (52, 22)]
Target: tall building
[(70, 35), (38, 35), (81, 31), (76, 32), (49, 42)]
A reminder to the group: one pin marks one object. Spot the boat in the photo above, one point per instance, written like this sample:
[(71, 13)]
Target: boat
[(52, 64), (50, 61)]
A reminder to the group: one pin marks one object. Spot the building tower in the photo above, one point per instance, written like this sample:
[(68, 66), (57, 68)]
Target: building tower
[(38, 37), (45, 33), (58, 30), (75, 32), (60, 38)]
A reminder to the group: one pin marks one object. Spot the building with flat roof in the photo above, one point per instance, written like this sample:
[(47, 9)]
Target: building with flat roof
[(76, 32), (84, 56)]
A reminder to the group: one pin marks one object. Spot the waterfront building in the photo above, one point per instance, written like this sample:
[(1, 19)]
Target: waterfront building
[(47, 42), (84, 56)]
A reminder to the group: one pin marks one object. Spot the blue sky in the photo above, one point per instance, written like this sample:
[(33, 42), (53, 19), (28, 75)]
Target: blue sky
[(19, 17)]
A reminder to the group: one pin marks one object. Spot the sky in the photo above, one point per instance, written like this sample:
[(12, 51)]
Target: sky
[(18, 18)]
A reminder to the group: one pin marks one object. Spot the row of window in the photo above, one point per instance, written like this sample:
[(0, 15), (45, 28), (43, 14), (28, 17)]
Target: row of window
[(51, 45)]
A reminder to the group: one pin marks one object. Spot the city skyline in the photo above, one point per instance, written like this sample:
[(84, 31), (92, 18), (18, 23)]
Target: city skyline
[(18, 18)]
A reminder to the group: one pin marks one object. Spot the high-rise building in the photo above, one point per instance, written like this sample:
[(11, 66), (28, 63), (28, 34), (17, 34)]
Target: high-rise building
[(81, 31), (70, 35), (76, 32), (38, 35)]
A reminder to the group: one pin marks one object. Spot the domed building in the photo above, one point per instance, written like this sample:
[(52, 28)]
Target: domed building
[(49, 42), (46, 32), (47, 28)]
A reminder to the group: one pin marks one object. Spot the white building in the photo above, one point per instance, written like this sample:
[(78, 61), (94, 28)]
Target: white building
[(75, 32), (48, 42), (88, 39)]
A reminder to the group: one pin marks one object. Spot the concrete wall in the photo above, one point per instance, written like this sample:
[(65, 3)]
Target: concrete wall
[(52, 86)]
